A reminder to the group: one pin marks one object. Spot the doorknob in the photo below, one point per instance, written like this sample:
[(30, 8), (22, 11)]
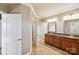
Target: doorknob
[(19, 39)]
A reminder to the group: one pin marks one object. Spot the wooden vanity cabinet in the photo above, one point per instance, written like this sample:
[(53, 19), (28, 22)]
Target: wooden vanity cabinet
[(68, 44)]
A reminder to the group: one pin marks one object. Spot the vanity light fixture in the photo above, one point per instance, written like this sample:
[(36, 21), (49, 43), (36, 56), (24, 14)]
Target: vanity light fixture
[(52, 20)]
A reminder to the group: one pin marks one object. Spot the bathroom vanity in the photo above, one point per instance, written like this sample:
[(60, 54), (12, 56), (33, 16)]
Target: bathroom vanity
[(66, 42)]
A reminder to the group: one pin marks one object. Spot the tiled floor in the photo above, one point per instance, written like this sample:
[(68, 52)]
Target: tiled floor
[(44, 49)]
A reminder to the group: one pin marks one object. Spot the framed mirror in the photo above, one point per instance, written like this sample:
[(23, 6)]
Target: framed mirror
[(71, 26), (52, 27)]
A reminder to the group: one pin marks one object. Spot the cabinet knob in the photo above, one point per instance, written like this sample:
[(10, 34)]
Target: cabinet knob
[(19, 39)]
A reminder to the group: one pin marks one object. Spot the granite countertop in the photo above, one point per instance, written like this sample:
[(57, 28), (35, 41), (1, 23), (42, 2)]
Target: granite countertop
[(63, 35)]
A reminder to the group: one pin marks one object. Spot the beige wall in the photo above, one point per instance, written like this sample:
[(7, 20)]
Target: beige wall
[(34, 28), (35, 23), (3, 8), (34, 33), (14, 8), (26, 29)]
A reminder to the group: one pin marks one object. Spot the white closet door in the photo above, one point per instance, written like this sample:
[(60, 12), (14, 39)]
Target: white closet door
[(13, 34)]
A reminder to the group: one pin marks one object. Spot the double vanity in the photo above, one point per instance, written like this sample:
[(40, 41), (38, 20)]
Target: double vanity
[(66, 42)]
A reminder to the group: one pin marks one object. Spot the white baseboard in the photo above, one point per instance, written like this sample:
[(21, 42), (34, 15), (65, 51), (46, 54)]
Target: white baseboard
[(29, 53)]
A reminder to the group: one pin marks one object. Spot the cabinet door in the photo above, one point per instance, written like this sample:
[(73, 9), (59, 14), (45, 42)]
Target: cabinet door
[(51, 40), (71, 45), (57, 41), (77, 47), (46, 38), (65, 44), (73, 48), (77, 41)]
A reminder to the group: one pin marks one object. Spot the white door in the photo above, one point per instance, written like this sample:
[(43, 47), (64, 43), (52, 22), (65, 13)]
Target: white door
[(12, 40)]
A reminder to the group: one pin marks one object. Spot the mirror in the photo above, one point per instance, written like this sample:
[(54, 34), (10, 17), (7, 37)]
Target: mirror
[(52, 27)]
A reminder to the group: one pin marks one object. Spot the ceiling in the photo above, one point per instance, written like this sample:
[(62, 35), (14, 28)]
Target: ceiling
[(44, 10)]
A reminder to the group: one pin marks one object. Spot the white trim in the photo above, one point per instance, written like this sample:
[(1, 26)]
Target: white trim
[(29, 53)]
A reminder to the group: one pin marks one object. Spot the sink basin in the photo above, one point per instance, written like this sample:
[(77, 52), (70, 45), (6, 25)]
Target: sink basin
[(76, 35)]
